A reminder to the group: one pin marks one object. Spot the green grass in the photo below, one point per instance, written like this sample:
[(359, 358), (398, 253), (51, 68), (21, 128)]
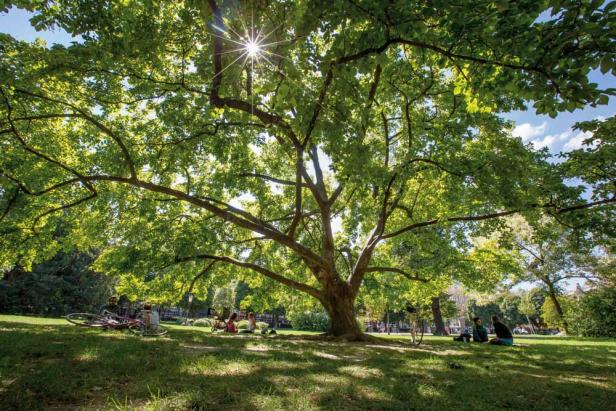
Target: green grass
[(50, 364)]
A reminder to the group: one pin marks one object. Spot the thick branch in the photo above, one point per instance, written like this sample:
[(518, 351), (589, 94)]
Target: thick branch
[(298, 194), (399, 271), (273, 179), (318, 106), (445, 52), (498, 215), (103, 128), (261, 270), (375, 237)]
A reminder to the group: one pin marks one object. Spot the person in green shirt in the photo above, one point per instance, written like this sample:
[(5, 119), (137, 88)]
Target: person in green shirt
[(480, 334)]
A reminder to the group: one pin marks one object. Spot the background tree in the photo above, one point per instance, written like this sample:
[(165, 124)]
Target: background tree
[(552, 255), (55, 287), (224, 300), (182, 140), (594, 313), (530, 306), (509, 305), (556, 317)]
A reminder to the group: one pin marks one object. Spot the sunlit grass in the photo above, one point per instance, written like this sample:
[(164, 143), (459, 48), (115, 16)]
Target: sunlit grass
[(49, 363)]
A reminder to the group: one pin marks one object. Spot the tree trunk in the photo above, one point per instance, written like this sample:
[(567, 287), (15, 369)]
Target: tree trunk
[(532, 327), (338, 302), (387, 319), (438, 317), (559, 309)]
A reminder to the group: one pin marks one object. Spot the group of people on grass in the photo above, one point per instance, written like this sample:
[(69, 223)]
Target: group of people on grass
[(251, 328), (480, 333), (151, 318)]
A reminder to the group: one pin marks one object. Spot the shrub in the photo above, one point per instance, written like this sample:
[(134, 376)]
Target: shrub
[(243, 325), (203, 322), (309, 321)]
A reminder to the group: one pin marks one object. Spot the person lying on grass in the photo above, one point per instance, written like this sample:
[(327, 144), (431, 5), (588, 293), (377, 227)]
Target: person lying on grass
[(503, 333), (480, 334)]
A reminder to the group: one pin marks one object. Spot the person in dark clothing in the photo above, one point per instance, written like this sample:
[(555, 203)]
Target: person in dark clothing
[(111, 306), (503, 333), (464, 336), (480, 334)]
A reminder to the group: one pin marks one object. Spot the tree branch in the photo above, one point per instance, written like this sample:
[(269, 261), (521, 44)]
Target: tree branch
[(498, 215), (103, 128), (397, 270), (273, 179), (261, 270)]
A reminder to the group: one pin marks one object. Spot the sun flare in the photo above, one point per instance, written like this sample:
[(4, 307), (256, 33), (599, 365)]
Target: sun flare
[(252, 48)]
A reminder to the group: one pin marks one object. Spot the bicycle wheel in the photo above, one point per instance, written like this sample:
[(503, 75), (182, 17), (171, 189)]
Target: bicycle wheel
[(140, 329), (87, 320), (159, 331)]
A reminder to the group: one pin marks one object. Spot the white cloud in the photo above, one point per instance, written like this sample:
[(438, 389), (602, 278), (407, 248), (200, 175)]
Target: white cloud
[(576, 142), (547, 141), (554, 142), (527, 131)]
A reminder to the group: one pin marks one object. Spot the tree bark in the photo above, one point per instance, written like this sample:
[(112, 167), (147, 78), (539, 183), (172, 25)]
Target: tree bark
[(438, 317), (338, 302)]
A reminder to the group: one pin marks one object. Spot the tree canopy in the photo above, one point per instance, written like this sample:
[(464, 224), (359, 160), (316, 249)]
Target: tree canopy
[(313, 144)]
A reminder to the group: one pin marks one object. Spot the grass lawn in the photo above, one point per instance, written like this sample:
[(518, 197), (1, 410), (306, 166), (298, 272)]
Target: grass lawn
[(50, 364)]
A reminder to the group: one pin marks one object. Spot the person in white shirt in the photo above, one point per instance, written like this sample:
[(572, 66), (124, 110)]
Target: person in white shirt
[(252, 324)]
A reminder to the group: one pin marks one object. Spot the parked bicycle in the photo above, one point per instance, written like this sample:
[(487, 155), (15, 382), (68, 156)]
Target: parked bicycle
[(111, 321), (417, 325)]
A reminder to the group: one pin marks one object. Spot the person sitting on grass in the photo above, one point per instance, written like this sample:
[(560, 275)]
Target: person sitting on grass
[(231, 328), (150, 317), (111, 307), (464, 336), (252, 324), (480, 334), (503, 333)]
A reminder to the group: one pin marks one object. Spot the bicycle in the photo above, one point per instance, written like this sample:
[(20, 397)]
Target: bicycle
[(143, 330), (417, 325), (112, 321)]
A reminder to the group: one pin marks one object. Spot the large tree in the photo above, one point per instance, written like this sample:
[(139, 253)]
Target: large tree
[(172, 136)]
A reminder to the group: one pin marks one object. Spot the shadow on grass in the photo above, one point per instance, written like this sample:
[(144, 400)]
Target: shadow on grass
[(50, 367)]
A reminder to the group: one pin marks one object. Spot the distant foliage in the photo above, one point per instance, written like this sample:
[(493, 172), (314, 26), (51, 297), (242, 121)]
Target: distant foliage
[(56, 287), (224, 299), (309, 321), (594, 314), (549, 314)]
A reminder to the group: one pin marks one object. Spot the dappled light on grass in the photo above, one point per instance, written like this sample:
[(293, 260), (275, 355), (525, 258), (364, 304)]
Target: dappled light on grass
[(89, 354), (69, 367), (361, 372)]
